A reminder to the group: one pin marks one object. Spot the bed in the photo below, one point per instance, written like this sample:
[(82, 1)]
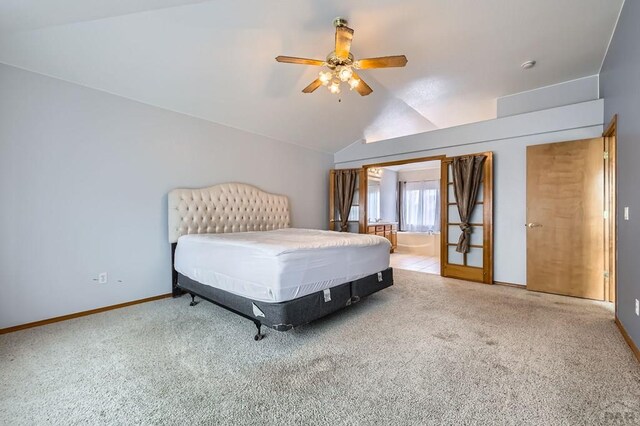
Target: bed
[(232, 244)]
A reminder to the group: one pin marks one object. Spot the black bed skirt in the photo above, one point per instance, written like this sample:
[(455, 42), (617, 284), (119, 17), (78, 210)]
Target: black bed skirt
[(286, 315)]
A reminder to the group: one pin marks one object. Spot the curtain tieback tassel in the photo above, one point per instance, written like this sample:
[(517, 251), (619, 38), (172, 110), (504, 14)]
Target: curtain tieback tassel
[(465, 227)]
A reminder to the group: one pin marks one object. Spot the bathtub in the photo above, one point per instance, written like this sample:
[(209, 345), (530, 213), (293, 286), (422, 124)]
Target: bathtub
[(420, 243)]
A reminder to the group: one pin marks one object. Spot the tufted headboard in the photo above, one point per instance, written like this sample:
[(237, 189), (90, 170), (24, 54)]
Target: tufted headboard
[(227, 207)]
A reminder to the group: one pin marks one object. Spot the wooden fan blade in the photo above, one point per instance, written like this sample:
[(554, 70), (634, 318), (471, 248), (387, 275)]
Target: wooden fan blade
[(301, 61), (344, 35), (313, 86), (383, 62), (362, 87)]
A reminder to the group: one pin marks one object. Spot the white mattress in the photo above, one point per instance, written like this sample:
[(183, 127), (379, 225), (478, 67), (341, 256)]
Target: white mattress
[(281, 265)]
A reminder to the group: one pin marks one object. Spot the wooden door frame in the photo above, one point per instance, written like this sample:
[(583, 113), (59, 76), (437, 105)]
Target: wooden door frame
[(332, 199), (610, 250), (610, 136), (364, 182), (362, 200)]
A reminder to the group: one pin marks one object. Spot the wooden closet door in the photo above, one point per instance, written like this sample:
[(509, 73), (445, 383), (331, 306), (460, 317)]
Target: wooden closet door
[(565, 218), (477, 264)]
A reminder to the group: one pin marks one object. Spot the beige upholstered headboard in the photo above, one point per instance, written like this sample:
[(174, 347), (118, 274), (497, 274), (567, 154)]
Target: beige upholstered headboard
[(227, 207)]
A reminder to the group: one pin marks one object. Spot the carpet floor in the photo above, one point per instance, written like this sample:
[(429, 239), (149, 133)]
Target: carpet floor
[(426, 351)]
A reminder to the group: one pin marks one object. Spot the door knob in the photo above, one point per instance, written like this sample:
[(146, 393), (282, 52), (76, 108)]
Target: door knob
[(533, 225)]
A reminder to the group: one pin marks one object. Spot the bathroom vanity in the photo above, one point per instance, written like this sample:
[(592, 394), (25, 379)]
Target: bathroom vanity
[(389, 230)]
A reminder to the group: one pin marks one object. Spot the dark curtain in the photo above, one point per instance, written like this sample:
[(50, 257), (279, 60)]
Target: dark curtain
[(400, 198), (345, 188), (467, 176)]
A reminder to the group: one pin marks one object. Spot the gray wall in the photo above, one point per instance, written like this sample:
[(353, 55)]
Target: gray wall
[(567, 93), (508, 139), (389, 196), (620, 88), (83, 183)]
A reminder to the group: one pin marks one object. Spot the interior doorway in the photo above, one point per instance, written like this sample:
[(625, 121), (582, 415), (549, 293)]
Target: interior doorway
[(403, 203), (465, 238)]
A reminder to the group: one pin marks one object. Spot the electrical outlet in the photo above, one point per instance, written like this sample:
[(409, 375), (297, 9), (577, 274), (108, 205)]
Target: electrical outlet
[(638, 307), (102, 278)]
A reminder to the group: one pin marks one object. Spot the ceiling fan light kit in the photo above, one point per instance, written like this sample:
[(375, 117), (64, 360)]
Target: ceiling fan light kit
[(342, 64)]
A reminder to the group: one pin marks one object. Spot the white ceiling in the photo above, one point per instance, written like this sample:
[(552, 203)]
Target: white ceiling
[(22, 15), (215, 59)]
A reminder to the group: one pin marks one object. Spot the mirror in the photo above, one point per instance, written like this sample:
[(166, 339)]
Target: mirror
[(382, 196)]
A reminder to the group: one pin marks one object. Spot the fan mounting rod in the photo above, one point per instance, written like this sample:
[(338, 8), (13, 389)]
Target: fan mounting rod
[(333, 61)]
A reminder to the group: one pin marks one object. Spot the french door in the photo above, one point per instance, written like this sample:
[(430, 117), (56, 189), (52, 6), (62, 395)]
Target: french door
[(477, 264)]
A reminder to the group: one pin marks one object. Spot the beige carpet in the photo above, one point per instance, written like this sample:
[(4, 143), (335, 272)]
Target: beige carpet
[(426, 351)]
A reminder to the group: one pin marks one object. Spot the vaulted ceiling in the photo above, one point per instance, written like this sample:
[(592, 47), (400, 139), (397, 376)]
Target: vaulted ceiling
[(215, 59)]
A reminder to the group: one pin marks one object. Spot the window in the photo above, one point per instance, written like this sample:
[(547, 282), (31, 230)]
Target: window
[(420, 206), (354, 214)]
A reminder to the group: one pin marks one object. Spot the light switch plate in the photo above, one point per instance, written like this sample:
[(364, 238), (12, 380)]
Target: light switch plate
[(638, 307), (626, 213)]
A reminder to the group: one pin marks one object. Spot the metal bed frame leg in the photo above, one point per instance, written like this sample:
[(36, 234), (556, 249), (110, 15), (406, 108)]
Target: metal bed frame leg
[(193, 301), (258, 336)]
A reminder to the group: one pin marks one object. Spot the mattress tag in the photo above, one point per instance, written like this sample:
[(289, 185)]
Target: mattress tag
[(327, 295), (256, 311), (379, 277)]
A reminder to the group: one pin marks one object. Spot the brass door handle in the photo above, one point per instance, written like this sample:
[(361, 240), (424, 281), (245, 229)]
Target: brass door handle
[(533, 225)]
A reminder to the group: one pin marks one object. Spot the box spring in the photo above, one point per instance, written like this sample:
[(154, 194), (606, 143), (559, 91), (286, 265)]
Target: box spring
[(283, 316)]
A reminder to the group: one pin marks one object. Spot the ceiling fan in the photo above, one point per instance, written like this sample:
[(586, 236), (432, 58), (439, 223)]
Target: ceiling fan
[(342, 64)]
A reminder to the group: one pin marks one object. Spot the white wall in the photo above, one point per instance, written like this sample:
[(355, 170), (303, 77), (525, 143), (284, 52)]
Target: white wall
[(507, 138), (567, 93), (83, 183)]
